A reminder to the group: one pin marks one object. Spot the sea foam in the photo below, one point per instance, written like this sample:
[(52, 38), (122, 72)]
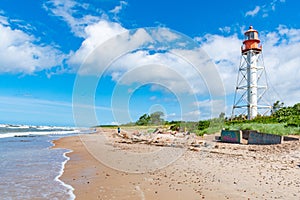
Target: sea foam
[(69, 187)]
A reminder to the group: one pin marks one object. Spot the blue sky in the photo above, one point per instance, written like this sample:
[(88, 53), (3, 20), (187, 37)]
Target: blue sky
[(46, 46)]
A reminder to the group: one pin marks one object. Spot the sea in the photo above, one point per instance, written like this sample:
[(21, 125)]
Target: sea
[(29, 167)]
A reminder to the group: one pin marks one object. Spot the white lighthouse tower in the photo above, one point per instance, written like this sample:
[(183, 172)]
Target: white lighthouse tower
[(251, 82)]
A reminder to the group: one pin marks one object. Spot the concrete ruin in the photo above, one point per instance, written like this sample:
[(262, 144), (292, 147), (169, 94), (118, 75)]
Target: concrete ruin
[(231, 136), (264, 138), (252, 137)]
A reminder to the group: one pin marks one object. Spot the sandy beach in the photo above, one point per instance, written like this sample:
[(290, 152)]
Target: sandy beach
[(208, 170)]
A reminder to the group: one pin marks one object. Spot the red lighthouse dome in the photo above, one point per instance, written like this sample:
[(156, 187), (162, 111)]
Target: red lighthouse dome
[(251, 41)]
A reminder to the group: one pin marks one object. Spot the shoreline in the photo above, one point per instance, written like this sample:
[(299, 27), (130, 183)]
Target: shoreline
[(219, 171), (62, 170)]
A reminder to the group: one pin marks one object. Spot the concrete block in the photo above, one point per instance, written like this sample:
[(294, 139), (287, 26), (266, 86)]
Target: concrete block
[(231, 136), (264, 138), (246, 133)]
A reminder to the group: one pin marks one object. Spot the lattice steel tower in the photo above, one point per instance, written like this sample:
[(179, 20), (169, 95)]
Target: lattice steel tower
[(251, 82)]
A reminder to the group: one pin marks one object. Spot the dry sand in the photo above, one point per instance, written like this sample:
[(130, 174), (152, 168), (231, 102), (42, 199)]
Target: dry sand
[(211, 171)]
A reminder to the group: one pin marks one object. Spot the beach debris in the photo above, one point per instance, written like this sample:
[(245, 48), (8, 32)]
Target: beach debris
[(163, 138), (194, 149)]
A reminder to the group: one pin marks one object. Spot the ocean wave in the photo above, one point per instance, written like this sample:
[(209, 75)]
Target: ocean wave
[(37, 133), (10, 130)]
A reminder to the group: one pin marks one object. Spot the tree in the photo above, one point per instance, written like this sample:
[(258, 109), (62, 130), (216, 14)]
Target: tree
[(143, 120), (276, 106), (289, 115), (156, 118)]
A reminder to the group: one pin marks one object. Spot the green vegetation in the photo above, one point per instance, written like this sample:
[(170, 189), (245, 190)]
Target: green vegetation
[(282, 121), (274, 128), (210, 126), (152, 119)]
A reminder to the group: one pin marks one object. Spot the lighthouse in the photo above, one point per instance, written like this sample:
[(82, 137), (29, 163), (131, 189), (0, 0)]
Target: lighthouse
[(251, 82)]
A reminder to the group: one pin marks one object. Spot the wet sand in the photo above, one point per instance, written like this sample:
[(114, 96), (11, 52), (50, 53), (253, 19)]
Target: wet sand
[(210, 171)]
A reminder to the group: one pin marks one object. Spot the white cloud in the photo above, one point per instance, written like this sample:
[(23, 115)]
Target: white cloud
[(129, 58), (135, 58), (253, 12), (119, 8), (165, 75), (104, 33), (210, 108), (101, 54), (274, 3), (19, 52), (164, 35), (170, 70), (116, 40), (72, 13), (264, 9), (225, 29), (281, 54), (4, 20), (95, 34), (225, 52)]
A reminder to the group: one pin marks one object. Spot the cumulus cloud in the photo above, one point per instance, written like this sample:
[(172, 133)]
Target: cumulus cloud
[(155, 56), (19, 52), (225, 53), (95, 35), (112, 41), (281, 50), (148, 55), (159, 74)]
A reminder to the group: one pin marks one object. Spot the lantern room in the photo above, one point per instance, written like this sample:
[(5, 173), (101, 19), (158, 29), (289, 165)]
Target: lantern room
[(251, 41)]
